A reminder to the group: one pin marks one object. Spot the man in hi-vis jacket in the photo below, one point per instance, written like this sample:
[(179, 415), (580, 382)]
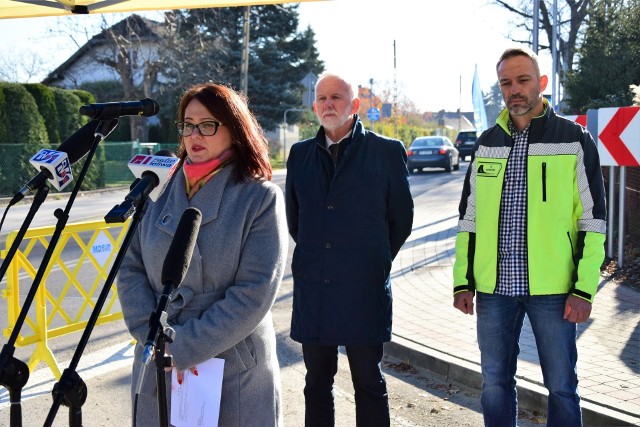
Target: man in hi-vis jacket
[(530, 241)]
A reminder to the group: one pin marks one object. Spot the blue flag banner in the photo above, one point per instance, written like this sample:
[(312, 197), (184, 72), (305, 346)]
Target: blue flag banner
[(479, 112)]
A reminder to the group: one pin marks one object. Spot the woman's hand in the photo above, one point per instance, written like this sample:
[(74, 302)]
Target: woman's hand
[(179, 374)]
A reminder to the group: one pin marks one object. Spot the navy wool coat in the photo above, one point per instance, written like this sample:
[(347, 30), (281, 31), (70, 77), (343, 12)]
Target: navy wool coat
[(348, 223)]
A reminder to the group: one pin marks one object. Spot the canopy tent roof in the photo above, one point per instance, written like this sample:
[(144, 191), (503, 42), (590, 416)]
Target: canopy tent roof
[(34, 8)]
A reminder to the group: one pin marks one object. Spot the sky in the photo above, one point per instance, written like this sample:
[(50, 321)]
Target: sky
[(438, 43)]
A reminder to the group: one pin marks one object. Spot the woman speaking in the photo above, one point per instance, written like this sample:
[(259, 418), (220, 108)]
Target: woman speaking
[(222, 307)]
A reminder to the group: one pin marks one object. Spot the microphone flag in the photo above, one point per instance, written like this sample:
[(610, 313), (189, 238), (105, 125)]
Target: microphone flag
[(161, 166), (57, 164)]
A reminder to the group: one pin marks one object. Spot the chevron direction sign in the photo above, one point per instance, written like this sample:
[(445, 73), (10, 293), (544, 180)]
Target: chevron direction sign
[(581, 119), (619, 136)]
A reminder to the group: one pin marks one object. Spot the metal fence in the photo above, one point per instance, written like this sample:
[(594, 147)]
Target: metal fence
[(66, 298)]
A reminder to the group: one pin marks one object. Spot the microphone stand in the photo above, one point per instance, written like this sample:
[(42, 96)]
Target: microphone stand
[(38, 199), (17, 374), (14, 373), (161, 333), (165, 333), (71, 391), (162, 362)]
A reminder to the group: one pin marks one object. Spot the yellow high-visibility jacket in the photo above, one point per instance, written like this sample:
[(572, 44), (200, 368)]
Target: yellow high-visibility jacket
[(566, 209)]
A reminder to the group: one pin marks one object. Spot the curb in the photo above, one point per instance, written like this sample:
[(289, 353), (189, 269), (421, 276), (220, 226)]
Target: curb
[(531, 397)]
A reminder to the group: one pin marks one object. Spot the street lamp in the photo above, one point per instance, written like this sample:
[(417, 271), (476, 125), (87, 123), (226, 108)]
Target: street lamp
[(284, 137)]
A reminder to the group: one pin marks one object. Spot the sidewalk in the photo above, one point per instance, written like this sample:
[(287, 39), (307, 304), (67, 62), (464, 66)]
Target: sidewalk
[(428, 332)]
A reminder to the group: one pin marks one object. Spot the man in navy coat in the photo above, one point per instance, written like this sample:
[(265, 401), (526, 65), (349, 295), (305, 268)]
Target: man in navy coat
[(349, 210)]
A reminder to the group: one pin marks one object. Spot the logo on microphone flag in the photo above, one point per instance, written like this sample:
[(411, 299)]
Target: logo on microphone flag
[(140, 159), (47, 156), (63, 172), (57, 164)]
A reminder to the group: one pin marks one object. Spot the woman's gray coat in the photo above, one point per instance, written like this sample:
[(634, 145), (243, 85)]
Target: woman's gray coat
[(222, 308)]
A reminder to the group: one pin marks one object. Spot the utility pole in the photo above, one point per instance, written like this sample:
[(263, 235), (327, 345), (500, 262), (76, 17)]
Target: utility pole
[(459, 102), (371, 101), (244, 68), (536, 24), (554, 57), (395, 93)]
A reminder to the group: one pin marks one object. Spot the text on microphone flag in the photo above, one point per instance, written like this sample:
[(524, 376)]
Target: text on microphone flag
[(163, 167)]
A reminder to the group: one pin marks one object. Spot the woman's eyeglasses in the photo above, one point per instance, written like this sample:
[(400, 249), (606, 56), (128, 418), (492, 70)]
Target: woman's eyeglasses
[(207, 128)]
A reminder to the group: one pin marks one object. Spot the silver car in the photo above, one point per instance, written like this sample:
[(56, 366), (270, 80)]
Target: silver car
[(432, 152)]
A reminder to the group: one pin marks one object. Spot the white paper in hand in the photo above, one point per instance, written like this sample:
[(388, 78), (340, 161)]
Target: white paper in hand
[(196, 402)]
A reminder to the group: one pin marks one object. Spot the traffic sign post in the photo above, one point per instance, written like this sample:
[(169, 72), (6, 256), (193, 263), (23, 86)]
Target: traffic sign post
[(618, 136)]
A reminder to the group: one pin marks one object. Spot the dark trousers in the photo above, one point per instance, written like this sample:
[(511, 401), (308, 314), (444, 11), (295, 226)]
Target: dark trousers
[(372, 405)]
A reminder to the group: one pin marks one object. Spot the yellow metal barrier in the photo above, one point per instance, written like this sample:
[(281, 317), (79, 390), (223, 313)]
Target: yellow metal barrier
[(84, 253)]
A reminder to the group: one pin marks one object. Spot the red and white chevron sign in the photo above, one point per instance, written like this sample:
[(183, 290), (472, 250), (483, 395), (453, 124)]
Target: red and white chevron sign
[(581, 119), (619, 136)]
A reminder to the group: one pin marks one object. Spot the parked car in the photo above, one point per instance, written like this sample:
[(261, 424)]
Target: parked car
[(432, 152), (465, 141)]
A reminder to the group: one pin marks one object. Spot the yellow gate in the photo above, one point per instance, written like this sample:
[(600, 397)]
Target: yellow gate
[(85, 251)]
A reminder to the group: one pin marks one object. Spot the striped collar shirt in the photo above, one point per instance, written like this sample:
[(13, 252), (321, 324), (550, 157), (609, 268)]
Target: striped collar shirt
[(512, 233)]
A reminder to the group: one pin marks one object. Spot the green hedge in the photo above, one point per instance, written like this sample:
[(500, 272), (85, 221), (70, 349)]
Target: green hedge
[(24, 126), (3, 117), (68, 104), (48, 110), (32, 117)]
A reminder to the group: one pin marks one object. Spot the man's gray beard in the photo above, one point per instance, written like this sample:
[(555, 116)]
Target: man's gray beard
[(333, 125), (520, 110)]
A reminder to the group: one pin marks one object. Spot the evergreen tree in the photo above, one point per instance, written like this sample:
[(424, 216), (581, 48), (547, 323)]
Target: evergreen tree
[(208, 47), (609, 58)]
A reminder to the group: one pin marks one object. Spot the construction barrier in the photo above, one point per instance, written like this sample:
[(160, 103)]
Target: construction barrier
[(73, 281)]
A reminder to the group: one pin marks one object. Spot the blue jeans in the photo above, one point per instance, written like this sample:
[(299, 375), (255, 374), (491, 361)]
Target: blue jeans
[(321, 361), (500, 320)]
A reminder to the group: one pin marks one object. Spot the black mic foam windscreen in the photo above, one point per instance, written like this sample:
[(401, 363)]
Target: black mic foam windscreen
[(179, 255), (80, 143)]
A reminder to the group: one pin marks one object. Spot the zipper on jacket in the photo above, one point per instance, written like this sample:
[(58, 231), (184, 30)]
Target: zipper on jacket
[(573, 256), (544, 181)]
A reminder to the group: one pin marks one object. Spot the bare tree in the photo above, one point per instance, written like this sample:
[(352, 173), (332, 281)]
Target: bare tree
[(130, 48), (572, 14), (21, 66)]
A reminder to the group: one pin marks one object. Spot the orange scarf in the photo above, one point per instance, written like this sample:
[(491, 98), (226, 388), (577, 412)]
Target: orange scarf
[(198, 174)]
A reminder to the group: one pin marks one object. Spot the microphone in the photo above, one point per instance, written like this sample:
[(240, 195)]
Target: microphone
[(154, 172), (176, 264), (152, 176), (110, 110), (73, 149)]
